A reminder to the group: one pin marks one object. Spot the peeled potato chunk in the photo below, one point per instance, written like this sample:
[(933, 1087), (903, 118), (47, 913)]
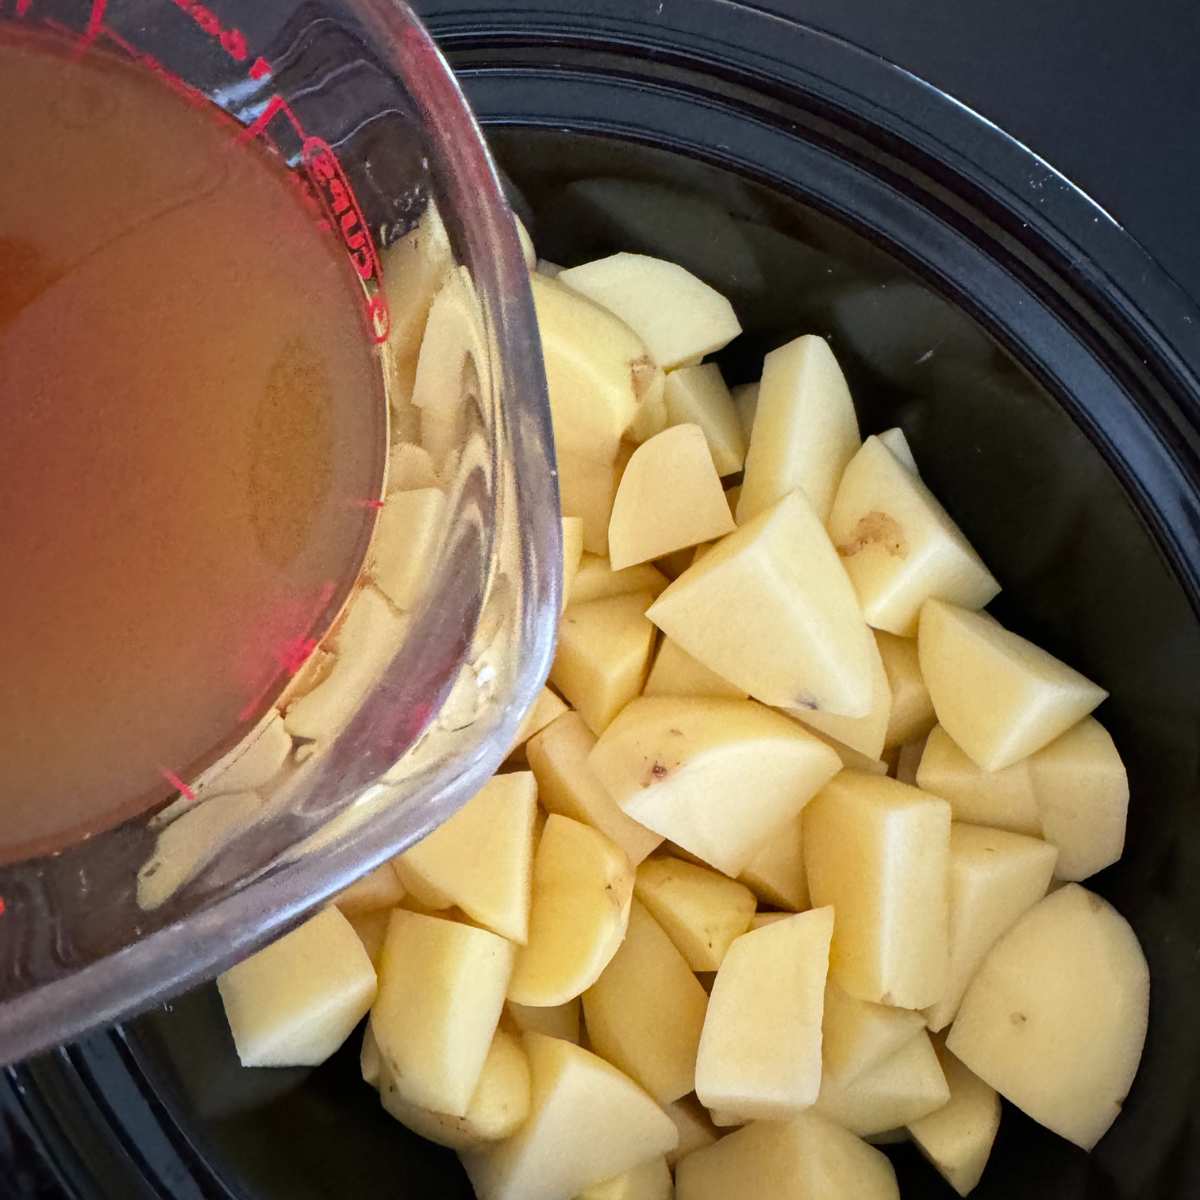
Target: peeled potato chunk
[(911, 716), (995, 876), (381, 888), (1082, 798), (454, 343), (572, 540), (669, 497), (295, 1002), (1055, 1018), (587, 1123), (406, 542), (558, 757), (370, 634), (675, 765), (586, 490), (878, 851), (859, 1036), (603, 655), (546, 708), (804, 1158), (582, 890), (760, 1052), (957, 1138), (866, 734), (441, 990), (559, 1020), (770, 609), (596, 579), (498, 1106), (676, 673), (897, 443), (905, 1087), (701, 911), (371, 928), (650, 1181), (645, 1012), (677, 316), (899, 545), (597, 370), (699, 395), (693, 1125), (999, 696), (481, 859), (776, 873), (745, 399), (1004, 799), (805, 429)]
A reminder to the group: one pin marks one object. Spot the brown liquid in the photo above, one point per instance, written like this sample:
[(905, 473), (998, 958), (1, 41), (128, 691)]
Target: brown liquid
[(191, 422)]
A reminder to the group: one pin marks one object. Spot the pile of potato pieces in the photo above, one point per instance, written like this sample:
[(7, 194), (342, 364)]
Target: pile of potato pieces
[(785, 859)]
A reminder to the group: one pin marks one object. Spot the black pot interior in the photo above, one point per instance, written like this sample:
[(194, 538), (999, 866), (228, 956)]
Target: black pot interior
[(1083, 574)]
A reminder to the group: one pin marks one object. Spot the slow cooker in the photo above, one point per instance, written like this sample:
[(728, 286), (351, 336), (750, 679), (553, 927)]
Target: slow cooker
[(1046, 369)]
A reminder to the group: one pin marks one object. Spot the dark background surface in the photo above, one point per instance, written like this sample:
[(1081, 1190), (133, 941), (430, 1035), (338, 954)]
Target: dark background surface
[(1104, 91)]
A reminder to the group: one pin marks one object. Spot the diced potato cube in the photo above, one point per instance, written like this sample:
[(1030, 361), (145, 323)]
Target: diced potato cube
[(596, 579), (597, 370), (695, 1129), (999, 696), (701, 911), (441, 990), (760, 1052), (369, 636), (776, 873), (912, 716), (650, 1181), (745, 399), (897, 443), (957, 1139), (558, 757), (546, 708), (1083, 799), (603, 656), (670, 497), (586, 490), (379, 889), (295, 1002), (674, 763), (572, 540), (879, 853), (481, 859), (805, 1158), (805, 429), (677, 316), (902, 1089), (645, 1012), (587, 1123), (799, 640), (370, 1061), (767, 918), (454, 344), (557, 1020), (582, 890), (371, 928), (859, 1036), (1055, 1018), (1002, 799), (865, 734), (995, 877), (699, 395), (676, 673), (410, 468), (899, 545), (498, 1107), (406, 543)]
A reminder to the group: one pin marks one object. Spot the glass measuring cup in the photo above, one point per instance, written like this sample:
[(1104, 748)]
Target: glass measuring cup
[(355, 101)]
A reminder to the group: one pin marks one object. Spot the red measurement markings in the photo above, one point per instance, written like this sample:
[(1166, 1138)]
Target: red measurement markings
[(366, 503), (341, 204), (259, 68), (177, 783), (176, 82), (3, 906), (231, 39), (23, 7)]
